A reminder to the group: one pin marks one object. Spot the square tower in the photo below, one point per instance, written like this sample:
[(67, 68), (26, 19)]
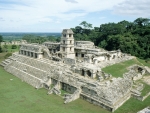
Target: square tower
[(67, 43)]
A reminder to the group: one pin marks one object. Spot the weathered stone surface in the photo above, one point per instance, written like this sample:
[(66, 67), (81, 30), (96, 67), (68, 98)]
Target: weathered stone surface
[(76, 68)]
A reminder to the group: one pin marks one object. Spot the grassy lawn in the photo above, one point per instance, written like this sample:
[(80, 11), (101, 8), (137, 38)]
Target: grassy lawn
[(133, 105), (143, 62), (117, 70), (146, 89), (2, 56), (19, 97), (9, 49)]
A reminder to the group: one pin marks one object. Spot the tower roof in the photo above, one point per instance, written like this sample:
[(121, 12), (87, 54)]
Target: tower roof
[(67, 31)]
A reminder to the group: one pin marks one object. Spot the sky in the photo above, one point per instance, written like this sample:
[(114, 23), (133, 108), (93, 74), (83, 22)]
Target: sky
[(55, 15)]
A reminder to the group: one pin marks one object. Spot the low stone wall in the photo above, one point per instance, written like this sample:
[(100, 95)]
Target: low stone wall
[(95, 102), (141, 98), (101, 104)]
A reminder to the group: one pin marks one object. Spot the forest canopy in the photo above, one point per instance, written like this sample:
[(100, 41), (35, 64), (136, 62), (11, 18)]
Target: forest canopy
[(130, 37)]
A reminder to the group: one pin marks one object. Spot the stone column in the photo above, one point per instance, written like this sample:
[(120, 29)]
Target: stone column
[(79, 55), (29, 54), (95, 61), (33, 55), (85, 73), (93, 75)]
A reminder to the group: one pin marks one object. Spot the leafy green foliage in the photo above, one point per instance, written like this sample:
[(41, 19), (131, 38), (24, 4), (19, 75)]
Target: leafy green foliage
[(14, 47), (1, 49), (7, 55), (40, 39), (130, 37), (86, 25), (1, 38)]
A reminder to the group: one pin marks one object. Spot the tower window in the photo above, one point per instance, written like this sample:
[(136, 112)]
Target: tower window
[(63, 41), (70, 35), (82, 55), (70, 41), (76, 54), (70, 49), (64, 35)]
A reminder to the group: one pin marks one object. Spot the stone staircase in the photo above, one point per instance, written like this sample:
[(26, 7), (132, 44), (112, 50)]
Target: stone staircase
[(71, 97)]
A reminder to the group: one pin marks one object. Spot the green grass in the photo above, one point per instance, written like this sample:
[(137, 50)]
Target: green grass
[(63, 92), (2, 55), (133, 105), (143, 62), (117, 70), (9, 49), (146, 89), (19, 97)]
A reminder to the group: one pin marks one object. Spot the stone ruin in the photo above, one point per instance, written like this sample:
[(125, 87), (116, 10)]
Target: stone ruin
[(73, 66), (14, 42), (145, 110)]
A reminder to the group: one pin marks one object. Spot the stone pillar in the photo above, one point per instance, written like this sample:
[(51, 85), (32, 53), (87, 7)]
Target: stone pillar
[(85, 73), (58, 85), (29, 54), (79, 55), (95, 61), (33, 55), (93, 75), (90, 60)]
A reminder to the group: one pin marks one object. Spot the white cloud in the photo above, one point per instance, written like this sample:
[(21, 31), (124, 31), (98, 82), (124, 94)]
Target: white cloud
[(47, 20), (102, 17), (136, 8), (72, 1), (58, 22), (32, 12)]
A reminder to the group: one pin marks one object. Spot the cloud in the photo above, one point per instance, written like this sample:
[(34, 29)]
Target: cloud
[(102, 17), (58, 22), (27, 13), (136, 8), (72, 1), (1, 19), (47, 20)]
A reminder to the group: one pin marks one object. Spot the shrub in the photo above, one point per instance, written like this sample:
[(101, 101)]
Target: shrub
[(7, 55), (13, 47), (1, 49)]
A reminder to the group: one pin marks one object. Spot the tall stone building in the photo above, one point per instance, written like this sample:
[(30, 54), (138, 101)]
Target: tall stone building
[(67, 44)]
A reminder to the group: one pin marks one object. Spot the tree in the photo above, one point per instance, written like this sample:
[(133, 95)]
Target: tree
[(0, 49), (5, 48), (86, 25), (14, 47), (129, 37), (142, 21), (1, 39)]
